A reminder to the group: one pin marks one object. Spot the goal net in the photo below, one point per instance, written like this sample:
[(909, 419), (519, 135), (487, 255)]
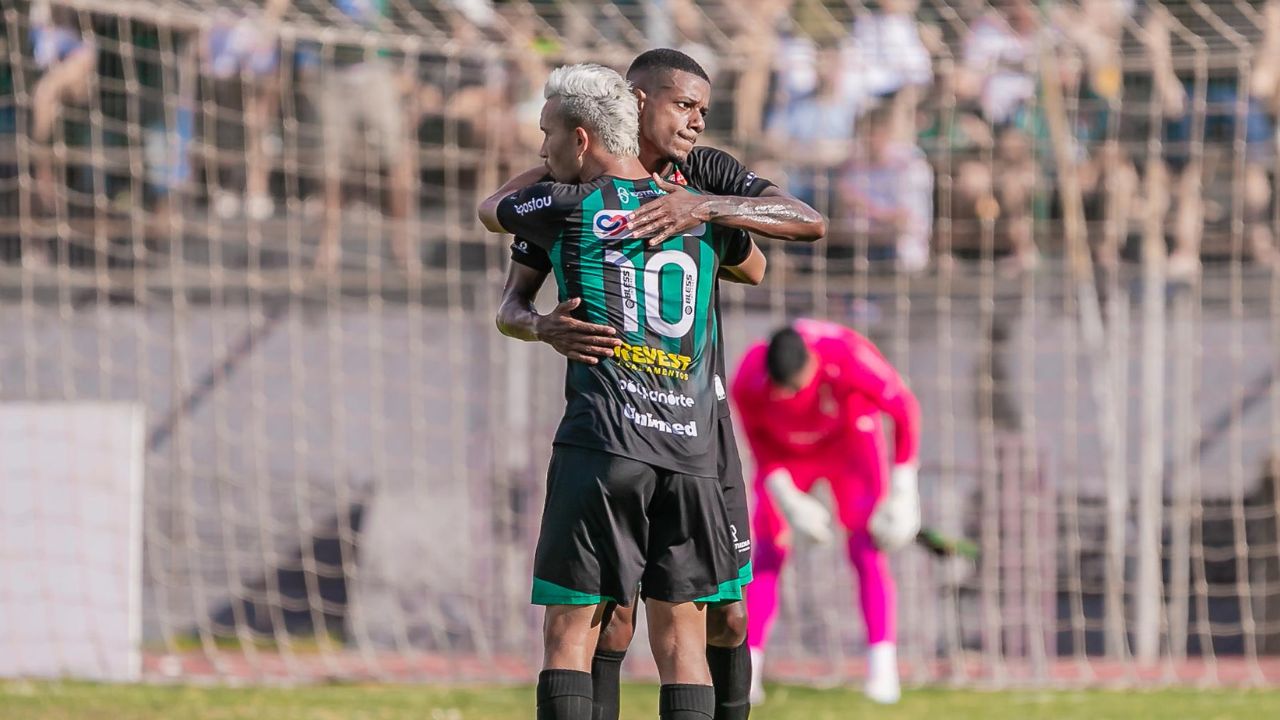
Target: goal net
[(256, 222)]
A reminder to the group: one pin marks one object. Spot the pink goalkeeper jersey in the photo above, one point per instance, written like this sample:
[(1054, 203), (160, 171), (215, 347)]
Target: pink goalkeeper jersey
[(853, 379)]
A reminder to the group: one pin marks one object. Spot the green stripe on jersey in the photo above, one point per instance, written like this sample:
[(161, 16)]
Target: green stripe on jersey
[(591, 262), (558, 267), (707, 262)]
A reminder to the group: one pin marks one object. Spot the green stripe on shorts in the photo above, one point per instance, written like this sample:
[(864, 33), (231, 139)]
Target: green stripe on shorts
[(549, 593), (731, 591)]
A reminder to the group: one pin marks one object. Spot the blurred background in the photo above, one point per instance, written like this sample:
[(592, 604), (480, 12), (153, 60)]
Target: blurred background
[(256, 423)]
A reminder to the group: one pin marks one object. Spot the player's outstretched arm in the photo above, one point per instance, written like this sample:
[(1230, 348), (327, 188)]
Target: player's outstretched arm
[(518, 318), (488, 209), (774, 213)]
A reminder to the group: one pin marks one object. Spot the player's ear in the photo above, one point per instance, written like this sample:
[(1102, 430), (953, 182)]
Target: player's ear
[(580, 137), (640, 97)]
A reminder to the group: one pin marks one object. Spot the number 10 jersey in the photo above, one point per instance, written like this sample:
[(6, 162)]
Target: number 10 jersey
[(655, 399)]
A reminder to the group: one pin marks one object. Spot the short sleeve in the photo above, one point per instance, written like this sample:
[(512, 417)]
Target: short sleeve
[(719, 173), (530, 255), (535, 213), (734, 245)]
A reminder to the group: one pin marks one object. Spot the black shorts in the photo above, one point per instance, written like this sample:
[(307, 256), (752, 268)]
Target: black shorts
[(612, 525), (734, 489)]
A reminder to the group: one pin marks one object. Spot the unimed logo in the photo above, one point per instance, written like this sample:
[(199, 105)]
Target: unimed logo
[(647, 420), (537, 203)]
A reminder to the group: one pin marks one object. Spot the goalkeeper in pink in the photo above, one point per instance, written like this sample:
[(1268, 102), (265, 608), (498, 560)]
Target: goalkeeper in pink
[(810, 401)]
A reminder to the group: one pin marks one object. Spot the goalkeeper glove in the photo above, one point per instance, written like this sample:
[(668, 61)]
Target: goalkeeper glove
[(896, 519), (804, 514)]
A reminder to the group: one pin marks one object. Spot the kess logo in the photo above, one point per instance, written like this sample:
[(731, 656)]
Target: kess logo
[(611, 224)]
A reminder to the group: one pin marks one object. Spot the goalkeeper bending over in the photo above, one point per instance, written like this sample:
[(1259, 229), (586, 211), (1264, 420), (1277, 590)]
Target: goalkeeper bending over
[(810, 401)]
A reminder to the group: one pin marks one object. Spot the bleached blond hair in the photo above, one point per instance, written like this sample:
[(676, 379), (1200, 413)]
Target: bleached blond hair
[(599, 100)]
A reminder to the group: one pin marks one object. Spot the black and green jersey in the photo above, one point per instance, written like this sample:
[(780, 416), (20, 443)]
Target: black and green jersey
[(707, 170), (655, 401)]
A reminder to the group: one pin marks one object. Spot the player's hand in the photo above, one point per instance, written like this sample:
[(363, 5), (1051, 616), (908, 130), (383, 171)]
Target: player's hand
[(677, 211), (896, 520), (573, 338), (805, 514)]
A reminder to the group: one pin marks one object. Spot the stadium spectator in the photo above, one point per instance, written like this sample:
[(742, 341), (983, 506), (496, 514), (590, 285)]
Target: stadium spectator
[(691, 37), (999, 60), (887, 192), (1265, 88), (68, 59), (999, 73), (1105, 171), (886, 52), (240, 54), (812, 135), (358, 87), (1222, 125), (771, 47), (885, 58)]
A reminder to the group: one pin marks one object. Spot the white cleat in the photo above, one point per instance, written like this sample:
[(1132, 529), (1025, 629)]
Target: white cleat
[(882, 674), (756, 695)]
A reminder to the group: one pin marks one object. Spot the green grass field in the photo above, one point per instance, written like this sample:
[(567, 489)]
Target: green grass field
[(81, 701)]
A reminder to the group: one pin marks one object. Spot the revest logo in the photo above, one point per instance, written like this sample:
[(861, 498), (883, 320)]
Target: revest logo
[(537, 203), (653, 361), (611, 224)]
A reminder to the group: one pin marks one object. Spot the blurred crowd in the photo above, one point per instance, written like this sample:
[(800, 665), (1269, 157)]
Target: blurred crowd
[(927, 132)]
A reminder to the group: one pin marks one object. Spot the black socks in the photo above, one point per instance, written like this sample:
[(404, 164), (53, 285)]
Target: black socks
[(564, 695), (606, 671), (731, 678), (686, 702), (726, 700)]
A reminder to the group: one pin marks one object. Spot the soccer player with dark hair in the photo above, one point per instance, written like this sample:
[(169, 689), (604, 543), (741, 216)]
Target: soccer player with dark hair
[(673, 95), (633, 500), (810, 401)]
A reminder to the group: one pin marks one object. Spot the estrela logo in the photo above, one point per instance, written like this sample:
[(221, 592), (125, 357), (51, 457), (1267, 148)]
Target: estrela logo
[(611, 224)]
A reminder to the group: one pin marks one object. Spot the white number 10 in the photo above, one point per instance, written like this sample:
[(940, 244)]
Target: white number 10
[(653, 300)]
